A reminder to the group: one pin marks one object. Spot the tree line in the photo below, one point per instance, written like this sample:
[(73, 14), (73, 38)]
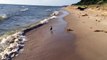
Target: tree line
[(90, 2)]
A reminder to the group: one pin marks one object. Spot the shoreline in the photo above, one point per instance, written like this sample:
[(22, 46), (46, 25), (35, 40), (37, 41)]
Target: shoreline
[(81, 35), (31, 26), (13, 42), (52, 46)]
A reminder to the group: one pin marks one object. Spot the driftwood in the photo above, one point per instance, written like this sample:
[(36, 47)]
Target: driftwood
[(69, 30), (101, 31), (82, 8), (85, 15)]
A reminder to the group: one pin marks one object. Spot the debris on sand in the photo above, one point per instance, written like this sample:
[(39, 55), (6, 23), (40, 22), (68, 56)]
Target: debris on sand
[(85, 15), (105, 31), (101, 31), (82, 8), (98, 31), (98, 20), (70, 29)]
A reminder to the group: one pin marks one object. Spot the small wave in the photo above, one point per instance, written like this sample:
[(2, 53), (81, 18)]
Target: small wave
[(25, 9), (3, 16), (48, 10), (12, 45), (55, 13), (40, 23)]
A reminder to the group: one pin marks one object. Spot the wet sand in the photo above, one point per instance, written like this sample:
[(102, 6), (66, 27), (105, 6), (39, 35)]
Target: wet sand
[(90, 45), (43, 44)]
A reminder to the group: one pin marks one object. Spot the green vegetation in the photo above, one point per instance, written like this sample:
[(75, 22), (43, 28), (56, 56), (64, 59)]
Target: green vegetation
[(99, 4), (91, 2)]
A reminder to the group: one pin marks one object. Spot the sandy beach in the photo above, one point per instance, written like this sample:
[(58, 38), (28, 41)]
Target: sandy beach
[(44, 45), (86, 41), (89, 27)]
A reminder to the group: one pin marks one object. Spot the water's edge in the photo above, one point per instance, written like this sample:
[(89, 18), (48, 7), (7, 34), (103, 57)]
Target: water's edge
[(13, 42)]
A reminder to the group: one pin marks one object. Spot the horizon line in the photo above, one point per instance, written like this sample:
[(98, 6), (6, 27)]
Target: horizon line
[(32, 4)]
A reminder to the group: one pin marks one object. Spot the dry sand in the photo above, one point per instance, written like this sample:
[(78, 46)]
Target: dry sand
[(90, 45)]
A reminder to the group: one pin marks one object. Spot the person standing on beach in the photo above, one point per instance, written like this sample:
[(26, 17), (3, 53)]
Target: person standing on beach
[(51, 29)]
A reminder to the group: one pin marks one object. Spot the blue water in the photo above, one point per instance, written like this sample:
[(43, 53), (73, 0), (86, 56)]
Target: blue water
[(18, 19)]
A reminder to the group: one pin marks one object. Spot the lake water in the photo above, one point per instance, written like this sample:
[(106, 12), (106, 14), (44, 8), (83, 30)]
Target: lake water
[(21, 16)]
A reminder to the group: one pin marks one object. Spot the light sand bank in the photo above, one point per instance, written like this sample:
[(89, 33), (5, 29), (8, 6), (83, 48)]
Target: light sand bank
[(90, 45)]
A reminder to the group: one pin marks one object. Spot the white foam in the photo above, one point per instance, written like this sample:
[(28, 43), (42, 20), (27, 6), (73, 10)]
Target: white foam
[(25, 9), (3, 16), (53, 16), (44, 21), (15, 46), (55, 13)]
